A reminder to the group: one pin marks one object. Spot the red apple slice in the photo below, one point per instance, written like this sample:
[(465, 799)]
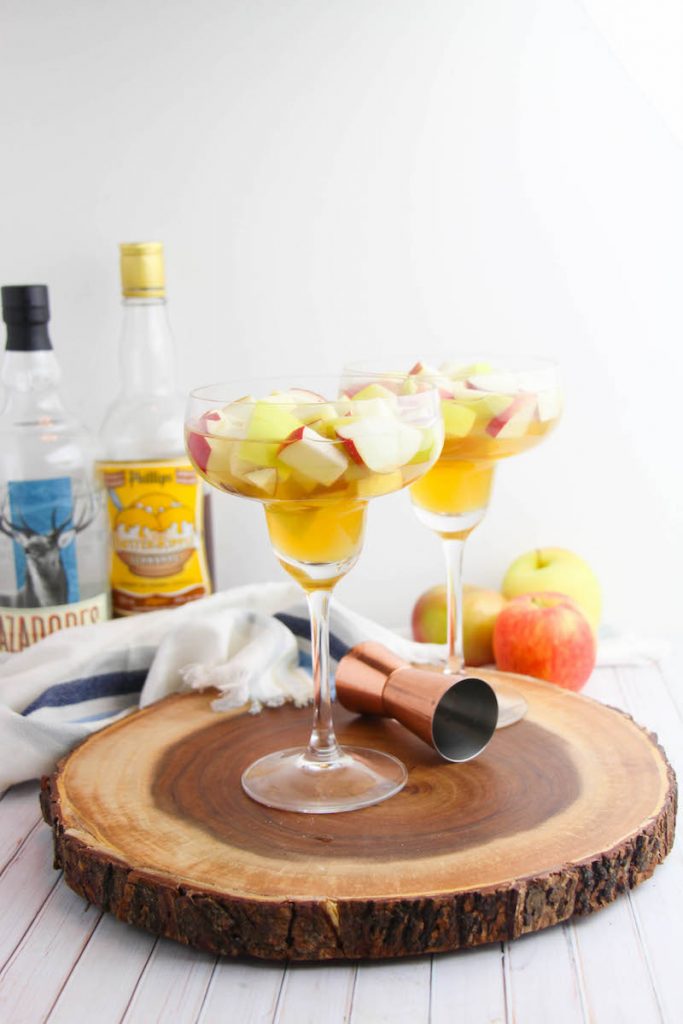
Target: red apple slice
[(514, 420), (198, 447), (383, 445)]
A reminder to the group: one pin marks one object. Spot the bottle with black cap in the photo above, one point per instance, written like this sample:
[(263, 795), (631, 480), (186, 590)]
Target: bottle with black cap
[(53, 541)]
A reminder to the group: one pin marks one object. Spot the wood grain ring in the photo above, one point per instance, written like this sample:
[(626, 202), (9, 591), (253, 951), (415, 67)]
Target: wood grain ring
[(560, 814)]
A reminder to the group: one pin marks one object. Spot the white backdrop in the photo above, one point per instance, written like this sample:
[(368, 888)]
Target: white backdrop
[(335, 178)]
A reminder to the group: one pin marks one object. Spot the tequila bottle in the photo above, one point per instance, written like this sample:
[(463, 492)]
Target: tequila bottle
[(53, 538)]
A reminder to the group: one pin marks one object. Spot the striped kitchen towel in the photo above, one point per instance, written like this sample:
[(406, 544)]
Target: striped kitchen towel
[(251, 642)]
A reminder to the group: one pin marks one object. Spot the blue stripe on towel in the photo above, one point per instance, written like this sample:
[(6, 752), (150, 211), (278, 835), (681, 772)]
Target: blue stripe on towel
[(109, 685), (302, 628)]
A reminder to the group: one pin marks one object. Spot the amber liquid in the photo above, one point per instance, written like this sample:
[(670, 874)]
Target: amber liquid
[(310, 524), (460, 482)]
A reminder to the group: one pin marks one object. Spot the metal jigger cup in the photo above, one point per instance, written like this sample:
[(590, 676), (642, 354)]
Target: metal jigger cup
[(457, 717)]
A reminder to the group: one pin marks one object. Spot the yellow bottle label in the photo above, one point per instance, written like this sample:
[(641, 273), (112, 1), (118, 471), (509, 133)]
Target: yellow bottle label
[(157, 533)]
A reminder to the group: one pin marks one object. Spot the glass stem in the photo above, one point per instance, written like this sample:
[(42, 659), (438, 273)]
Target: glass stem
[(322, 745), (453, 549)]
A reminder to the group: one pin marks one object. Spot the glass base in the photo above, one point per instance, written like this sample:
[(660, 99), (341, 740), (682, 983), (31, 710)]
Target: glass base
[(446, 525), (512, 707), (292, 780)]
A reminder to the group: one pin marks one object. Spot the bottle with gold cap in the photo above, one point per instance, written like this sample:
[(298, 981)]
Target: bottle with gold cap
[(156, 504)]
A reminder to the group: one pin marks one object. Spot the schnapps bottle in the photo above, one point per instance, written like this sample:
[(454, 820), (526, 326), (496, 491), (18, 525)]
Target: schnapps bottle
[(155, 499)]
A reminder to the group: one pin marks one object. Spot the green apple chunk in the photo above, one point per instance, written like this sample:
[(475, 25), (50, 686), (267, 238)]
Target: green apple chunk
[(313, 413), (456, 371), (458, 419), (431, 437), (270, 424), (373, 391)]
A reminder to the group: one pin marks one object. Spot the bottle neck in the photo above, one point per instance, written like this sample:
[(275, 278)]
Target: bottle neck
[(147, 352), (30, 382)]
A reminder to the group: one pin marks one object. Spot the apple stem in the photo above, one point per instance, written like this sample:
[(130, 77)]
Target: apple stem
[(453, 549), (322, 745)]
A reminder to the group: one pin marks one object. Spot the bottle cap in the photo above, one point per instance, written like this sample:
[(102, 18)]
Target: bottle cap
[(142, 270), (26, 311), (25, 304)]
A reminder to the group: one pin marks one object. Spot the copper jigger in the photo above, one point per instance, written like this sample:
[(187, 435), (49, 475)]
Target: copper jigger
[(457, 717)]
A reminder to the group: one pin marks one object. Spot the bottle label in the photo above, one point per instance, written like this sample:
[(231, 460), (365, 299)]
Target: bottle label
[(21, 627), (157, 531), (41, 522), (40, 571)]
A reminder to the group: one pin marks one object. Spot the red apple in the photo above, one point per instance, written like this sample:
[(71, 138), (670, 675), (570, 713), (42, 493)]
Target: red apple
[(547, 636)]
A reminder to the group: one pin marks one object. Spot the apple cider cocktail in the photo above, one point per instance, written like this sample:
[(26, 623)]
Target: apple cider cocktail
[(491, 410), (488, 415), (314, 463)]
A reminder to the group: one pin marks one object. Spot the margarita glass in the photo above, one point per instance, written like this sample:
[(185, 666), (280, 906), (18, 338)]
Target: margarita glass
[(314, 464), (492, 408)]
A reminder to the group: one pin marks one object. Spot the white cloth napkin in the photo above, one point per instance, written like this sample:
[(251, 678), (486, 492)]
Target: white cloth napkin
[(74, 682)]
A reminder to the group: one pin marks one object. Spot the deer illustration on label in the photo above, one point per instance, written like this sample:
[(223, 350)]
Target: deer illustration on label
[(43, 522)]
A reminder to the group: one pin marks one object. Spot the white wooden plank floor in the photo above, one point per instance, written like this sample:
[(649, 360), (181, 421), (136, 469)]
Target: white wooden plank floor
[(61, 961)]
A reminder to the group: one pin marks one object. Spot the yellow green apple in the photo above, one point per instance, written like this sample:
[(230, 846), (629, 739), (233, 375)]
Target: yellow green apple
[(480, 611), (558, 570)]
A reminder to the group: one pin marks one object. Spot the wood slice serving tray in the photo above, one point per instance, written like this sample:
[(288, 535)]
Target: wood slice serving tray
[(560, 814)]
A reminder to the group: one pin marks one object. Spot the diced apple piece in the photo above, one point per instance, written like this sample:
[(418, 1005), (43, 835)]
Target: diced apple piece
[(549, 405), (464, 392), (515, 419), (458, 419), (198, 449), (310, 456), (456, 371), (268, 427), (430, 445), (263, 479), (220, 453), (423, 370), (231, 420), (409, 386), (312, 412), (383, 445), (500, 382), (305, 397), (293, 396), (374, 391), (487, 407), (375, 407)]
